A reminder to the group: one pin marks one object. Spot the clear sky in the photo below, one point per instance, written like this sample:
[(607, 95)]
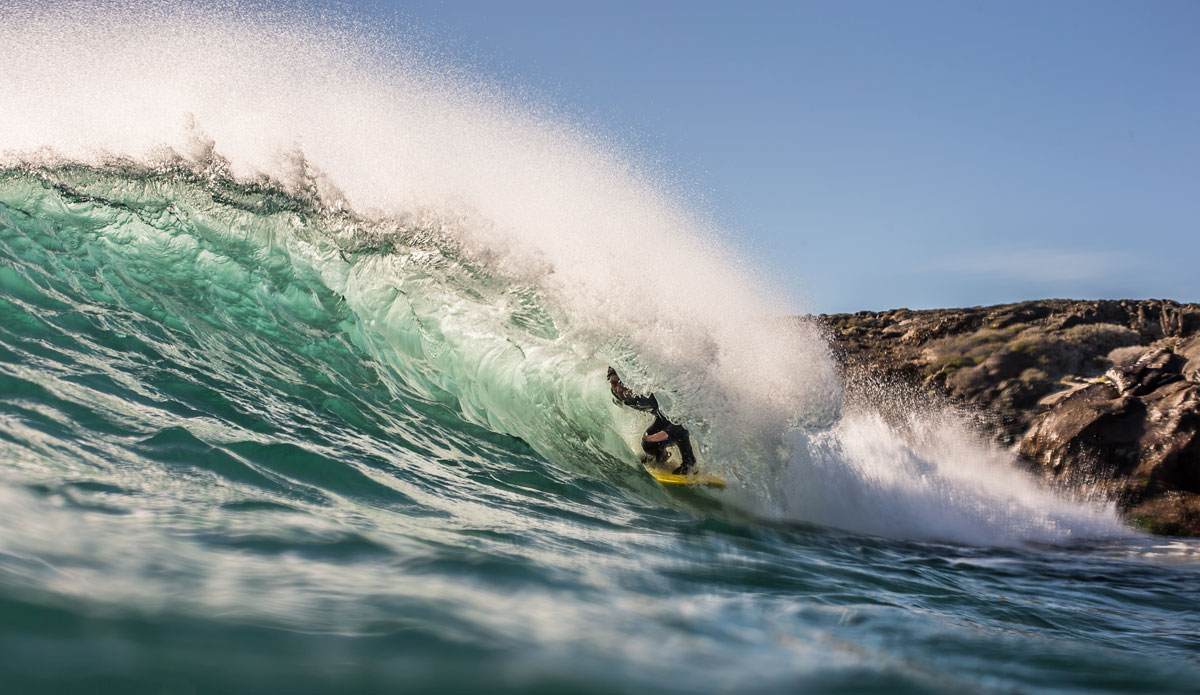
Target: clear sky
[(887, 154)]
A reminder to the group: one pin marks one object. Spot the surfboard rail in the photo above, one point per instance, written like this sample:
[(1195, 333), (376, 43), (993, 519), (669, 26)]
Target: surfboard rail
[(698, 478)]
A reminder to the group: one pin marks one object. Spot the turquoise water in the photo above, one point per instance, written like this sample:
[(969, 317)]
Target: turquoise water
[(230, 461)]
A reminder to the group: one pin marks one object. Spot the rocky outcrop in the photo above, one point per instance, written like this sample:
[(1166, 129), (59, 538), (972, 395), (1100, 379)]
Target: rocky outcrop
[(1092, 394)]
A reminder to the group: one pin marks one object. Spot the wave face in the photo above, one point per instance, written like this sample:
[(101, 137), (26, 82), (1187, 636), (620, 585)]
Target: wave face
[(302, 344)]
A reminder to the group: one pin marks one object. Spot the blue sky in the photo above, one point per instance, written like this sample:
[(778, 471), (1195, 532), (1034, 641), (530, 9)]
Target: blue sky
[(885, 154)]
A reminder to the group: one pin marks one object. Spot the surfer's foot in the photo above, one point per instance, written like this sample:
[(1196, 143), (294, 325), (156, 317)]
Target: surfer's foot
[(682, 470)]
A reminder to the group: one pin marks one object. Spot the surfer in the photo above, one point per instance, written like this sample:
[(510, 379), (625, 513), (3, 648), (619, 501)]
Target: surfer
[(662, 432)]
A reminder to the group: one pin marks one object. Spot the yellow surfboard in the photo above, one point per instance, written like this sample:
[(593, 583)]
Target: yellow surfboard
[(666, 477)]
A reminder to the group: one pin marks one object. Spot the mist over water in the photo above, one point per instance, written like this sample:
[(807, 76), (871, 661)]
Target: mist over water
[(303, 342)]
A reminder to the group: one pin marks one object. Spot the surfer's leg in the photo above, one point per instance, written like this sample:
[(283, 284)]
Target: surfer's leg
[(655, 444), (679, 435)]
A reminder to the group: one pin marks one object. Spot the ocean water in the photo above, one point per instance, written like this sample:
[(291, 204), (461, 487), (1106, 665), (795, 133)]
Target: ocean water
[(303, 390)]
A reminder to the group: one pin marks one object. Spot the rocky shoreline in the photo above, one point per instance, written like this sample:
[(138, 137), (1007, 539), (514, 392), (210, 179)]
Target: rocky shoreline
[(1092, 395)]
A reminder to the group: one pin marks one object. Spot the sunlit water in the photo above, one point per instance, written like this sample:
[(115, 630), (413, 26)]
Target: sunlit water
[(304, 391)]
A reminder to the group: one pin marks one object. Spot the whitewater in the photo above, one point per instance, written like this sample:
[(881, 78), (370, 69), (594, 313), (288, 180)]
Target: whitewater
[(303, 336)]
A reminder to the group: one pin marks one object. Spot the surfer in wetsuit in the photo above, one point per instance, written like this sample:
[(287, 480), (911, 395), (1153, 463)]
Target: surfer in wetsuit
[(662, 432)]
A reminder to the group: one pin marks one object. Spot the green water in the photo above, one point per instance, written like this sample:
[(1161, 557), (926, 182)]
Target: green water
[(250, 444)]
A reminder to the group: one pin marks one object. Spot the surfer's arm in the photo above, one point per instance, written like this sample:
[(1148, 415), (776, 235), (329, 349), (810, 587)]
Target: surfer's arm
[(624, 396)]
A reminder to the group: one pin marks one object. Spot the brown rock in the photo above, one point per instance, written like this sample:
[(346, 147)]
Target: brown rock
[(1151, 370), (1094, 393), (1169, 514), (1189, 352), (1094, 432), (1170, 448)]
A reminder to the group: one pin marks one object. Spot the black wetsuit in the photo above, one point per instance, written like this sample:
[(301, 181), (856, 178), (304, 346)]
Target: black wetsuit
[(676, 434)]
